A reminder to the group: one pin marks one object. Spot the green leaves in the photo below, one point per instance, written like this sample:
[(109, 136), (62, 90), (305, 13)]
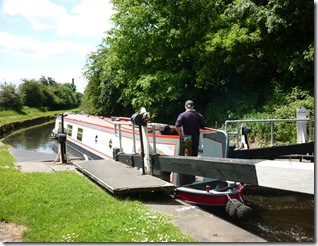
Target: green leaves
[(165, 52), (42, 93), (10, 98)]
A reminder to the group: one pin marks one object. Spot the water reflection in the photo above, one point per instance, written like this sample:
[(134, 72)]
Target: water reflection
[(35, 138)]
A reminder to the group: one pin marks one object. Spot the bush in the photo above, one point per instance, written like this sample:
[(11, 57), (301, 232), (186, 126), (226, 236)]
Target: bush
[(9, 98), (282, 106)]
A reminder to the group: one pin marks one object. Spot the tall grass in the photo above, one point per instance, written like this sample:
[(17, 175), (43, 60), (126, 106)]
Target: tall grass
[(66, 207)]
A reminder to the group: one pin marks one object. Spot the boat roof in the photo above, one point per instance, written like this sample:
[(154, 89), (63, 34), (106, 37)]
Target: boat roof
[(112, 121), (104, 121), (97, 120)]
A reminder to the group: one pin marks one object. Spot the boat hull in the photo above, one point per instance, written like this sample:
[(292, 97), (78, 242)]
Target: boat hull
[(77, 151), (206, 199), (197, 193), (97, 137)]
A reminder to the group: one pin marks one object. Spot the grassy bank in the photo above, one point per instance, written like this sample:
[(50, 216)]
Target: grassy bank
[(26, 114), (66, 207)]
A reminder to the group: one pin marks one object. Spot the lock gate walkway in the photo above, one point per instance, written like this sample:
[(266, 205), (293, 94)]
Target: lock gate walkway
[(119, 178)]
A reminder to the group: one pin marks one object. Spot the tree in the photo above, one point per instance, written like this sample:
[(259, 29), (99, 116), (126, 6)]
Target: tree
[(9, 98), (92, 72), (72, 86), (66, 97), (102, 96), (47, 81), (154, 52), (32, 93), (227, 56), (261, 44), (48, 93), (50, 98)]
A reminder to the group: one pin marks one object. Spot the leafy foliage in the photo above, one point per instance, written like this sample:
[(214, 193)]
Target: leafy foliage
[(9, 98), (285, 132), (227, 56), (46, 93), (32, 93), (101, 95)]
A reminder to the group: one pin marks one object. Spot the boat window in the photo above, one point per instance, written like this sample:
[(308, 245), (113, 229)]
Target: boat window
[(80, 134), (69, 130)]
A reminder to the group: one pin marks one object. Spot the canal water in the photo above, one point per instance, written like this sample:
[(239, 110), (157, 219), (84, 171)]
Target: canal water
[(35, 138), (278, 216)]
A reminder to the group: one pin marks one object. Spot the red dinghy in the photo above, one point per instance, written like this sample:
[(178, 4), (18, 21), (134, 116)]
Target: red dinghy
[(212, 192)]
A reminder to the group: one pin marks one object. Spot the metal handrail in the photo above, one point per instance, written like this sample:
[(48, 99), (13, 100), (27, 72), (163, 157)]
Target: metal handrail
[(271, 121), (119, 134)]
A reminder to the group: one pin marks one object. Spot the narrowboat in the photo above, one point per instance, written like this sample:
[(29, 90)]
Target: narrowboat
[(98, 137)]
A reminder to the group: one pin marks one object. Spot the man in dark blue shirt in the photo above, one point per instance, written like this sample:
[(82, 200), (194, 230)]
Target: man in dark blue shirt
[(189, 123)]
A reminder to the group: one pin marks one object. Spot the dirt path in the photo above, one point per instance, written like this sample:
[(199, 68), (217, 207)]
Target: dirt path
[(10, 232)]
